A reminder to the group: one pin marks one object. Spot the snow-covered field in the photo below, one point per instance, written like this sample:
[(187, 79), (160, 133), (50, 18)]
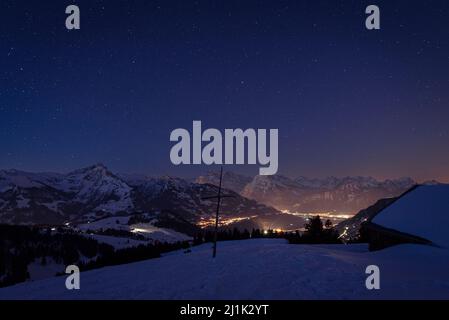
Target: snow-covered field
[(148, 230), (260, 269)]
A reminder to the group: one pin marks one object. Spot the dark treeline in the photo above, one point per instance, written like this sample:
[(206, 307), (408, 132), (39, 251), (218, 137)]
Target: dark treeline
[(133, 254), (21, 245), (315, 233), (234, 234)]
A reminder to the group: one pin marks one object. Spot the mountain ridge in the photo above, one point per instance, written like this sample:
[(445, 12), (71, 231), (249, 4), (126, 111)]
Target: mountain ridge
[(331, 194), (95, 192)]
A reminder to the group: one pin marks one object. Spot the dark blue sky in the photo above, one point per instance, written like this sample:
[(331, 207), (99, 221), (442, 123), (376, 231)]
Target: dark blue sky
[(347, 101)]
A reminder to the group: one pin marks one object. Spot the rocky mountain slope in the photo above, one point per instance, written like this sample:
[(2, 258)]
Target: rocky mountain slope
[(95, 192), (332, 194)]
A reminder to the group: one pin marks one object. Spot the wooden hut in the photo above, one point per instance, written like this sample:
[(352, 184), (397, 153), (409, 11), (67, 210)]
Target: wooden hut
[(419, 216)]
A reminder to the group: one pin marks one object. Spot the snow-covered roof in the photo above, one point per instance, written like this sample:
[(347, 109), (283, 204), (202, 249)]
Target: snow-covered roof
[(423, 212)]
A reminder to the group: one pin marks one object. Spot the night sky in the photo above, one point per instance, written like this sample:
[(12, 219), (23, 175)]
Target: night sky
[(347, 101)]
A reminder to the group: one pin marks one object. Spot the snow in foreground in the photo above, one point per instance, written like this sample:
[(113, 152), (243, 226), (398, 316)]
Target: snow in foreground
[(260, 269)]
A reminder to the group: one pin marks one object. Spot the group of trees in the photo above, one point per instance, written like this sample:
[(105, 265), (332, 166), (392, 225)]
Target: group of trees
[(315, 232), (222, 235), (133, 254), (225, 234), (21, 245)]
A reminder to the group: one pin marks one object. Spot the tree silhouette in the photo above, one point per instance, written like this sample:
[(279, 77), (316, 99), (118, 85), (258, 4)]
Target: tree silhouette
[(314, 228)]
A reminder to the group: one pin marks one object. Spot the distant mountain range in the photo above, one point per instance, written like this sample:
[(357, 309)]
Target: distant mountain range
[(95, 192), (339, 195)]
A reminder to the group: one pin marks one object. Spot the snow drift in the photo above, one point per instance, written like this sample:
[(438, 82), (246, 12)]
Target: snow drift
[(261, 269)]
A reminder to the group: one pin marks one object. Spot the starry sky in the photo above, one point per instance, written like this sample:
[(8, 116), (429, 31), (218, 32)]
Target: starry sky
[(346, 101)]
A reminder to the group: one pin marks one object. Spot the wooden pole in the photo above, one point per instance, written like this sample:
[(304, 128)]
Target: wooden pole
[(214, 254), (218, 197)]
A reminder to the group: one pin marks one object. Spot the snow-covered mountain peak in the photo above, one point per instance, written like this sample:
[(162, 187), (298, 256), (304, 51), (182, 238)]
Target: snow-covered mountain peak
[(342, 194), (95, 182), (93, 170)]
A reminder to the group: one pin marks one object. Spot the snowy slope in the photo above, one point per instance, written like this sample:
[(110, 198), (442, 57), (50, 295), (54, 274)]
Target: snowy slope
[(148, 230), (423, 212), (260, 269), (185, 198), (117, 223), (98, 186)]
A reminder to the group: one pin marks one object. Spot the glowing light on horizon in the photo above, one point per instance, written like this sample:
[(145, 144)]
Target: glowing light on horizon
[(328, 214)]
